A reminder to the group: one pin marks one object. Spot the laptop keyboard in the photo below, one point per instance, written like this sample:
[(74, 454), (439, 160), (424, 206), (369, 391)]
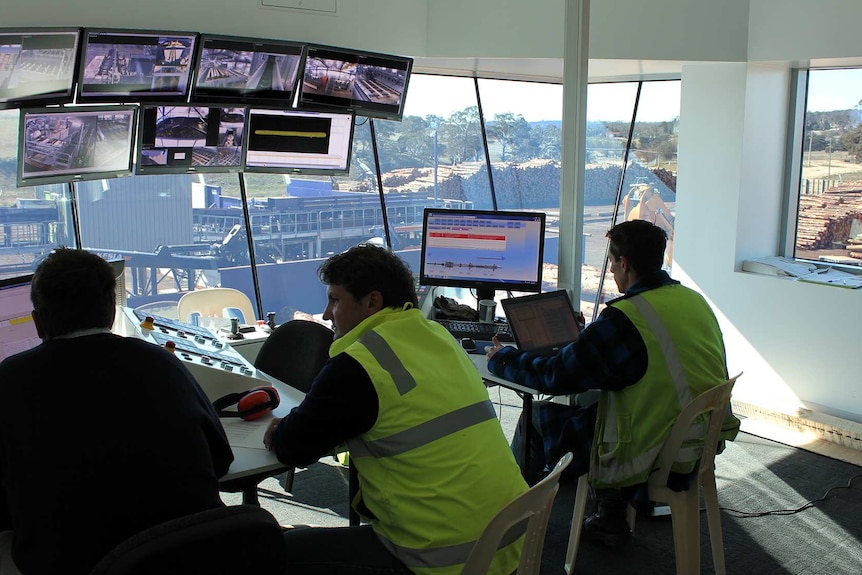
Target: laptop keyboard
[(476, 330)]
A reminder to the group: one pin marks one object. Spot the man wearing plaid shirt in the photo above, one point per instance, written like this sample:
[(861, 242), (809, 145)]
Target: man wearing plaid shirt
[(610, 355)]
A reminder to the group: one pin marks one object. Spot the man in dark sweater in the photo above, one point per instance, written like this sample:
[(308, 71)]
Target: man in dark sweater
[(101, 436)]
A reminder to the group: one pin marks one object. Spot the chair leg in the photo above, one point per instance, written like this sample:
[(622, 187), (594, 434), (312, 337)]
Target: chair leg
[(713, 517), (685, 516), (577, 522), (287, 484)]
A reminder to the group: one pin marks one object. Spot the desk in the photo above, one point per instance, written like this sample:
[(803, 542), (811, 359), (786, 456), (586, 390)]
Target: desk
[(252, 461), (526, 393)]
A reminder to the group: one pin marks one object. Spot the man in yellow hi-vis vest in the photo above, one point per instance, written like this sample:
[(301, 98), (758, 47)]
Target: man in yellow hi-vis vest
[(434, 465), (649, 353)]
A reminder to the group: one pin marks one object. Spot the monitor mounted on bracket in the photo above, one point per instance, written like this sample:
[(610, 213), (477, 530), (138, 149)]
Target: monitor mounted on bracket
[(38, 66), (247, 71), (181, 139), (366, 83), (75, 143), (298, 142), (135, 66), (483, 250)]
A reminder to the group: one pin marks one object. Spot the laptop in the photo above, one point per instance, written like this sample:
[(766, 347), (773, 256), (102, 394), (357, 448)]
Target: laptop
[(542, 323)]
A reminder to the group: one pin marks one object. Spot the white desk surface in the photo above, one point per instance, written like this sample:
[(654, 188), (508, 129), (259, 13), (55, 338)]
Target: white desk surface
[(246, 437), (481, 363)]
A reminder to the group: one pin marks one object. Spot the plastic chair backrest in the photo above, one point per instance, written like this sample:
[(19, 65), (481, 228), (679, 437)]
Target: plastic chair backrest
[(223, 541), (715, 402), (219, 302), (534, 506), (294, 352)]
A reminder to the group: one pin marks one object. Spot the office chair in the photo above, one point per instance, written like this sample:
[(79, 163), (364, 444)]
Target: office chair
[(219, 302), (684, 505), (222, 541), (294, 353), (534, 506)]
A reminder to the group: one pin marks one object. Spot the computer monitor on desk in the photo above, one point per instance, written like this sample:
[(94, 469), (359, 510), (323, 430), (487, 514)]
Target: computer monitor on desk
[(17, 330), (482, 250)]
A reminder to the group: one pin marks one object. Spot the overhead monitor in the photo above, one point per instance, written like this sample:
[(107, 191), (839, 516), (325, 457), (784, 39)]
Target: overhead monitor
[(180, 139), (37, 66), (17, 329), (134, 66), (298, 142), (483, 250), (367, 83), (247, 71), (75, 143)]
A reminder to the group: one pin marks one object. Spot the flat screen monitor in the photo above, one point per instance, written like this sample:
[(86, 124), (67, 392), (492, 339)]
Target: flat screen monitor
[(38, 66), (298, 142), (180, 139), (17, 330), (366, 83), (246, 71), (484, 250), (134, 66), (75, 143)]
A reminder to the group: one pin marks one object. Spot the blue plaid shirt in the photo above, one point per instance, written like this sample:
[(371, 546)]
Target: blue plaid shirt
[(608, 355)]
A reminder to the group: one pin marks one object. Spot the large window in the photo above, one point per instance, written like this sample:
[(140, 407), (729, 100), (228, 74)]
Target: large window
[(827, 218), (462, 143)]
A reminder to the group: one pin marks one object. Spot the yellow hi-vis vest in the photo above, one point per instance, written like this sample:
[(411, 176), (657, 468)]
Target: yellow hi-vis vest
[(685, 358), (436, 466)]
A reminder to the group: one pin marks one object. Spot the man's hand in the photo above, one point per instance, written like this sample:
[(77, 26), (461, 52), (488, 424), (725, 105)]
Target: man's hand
[(492, 349), (267, 437)]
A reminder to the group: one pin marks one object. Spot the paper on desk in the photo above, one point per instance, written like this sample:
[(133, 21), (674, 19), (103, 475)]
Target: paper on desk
[(241, 433)]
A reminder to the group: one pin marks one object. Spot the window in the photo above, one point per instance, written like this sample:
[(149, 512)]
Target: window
[(826, 204)]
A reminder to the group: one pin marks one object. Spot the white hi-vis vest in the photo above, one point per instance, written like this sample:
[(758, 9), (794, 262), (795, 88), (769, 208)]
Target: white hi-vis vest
[(436, 466), (685, 358)]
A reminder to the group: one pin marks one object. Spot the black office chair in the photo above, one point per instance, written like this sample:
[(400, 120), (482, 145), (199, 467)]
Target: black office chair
[(294, 353), (222, 541)]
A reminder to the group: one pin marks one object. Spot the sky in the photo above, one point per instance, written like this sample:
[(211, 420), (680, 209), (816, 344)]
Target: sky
[(830, 90), (442, 96)]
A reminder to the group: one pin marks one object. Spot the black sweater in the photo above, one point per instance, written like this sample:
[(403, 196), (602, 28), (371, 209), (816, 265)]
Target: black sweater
[(101, 437)]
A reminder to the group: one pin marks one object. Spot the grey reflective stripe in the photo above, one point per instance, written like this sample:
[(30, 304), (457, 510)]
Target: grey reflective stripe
[(450, 554), (382, 352), (644, 461), (425, 432), (671, 357)]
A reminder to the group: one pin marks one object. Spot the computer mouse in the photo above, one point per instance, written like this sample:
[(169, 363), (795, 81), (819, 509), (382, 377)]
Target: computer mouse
[(468, 343)]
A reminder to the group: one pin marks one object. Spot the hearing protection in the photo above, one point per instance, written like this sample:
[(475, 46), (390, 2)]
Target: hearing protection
[(251, 404)]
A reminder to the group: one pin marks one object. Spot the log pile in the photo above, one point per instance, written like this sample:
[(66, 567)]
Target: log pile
[(825, 220)]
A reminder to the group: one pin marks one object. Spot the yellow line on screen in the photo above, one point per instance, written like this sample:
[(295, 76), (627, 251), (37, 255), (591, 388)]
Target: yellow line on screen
[(290, 133)]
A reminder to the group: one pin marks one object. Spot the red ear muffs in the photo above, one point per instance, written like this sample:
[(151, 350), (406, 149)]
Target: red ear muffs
[(250, 404)]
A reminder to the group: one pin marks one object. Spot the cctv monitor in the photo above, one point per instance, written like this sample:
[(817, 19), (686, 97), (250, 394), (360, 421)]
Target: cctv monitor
[(298, 142), (17, 329), (366, 83), (135, 66), (38, 66), (181, 139), (484, 250), (72, 144), (247, 71)]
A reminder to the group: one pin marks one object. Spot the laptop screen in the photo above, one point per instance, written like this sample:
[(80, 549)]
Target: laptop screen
[(542, 323), (17, 330)]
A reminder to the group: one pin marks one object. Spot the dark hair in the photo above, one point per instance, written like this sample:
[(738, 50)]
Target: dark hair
[(641, 242), (71, 290), (368, 267)]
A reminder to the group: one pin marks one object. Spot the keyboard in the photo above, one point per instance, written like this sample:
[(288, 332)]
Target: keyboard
[(476, 330)]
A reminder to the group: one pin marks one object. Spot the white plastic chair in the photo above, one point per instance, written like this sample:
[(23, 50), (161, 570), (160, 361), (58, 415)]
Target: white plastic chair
[(534, 505), (220, 302), (684, 505)]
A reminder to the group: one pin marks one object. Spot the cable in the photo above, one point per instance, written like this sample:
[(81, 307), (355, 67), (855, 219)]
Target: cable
[(747, 514)]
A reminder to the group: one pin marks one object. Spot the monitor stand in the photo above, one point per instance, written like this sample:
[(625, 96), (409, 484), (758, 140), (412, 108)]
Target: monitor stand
[(483, 293)]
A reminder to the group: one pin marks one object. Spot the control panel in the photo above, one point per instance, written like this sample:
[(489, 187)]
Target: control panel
[(218, 367)]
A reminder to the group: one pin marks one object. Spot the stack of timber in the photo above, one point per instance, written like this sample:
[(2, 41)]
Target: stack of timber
[(825, 220)]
